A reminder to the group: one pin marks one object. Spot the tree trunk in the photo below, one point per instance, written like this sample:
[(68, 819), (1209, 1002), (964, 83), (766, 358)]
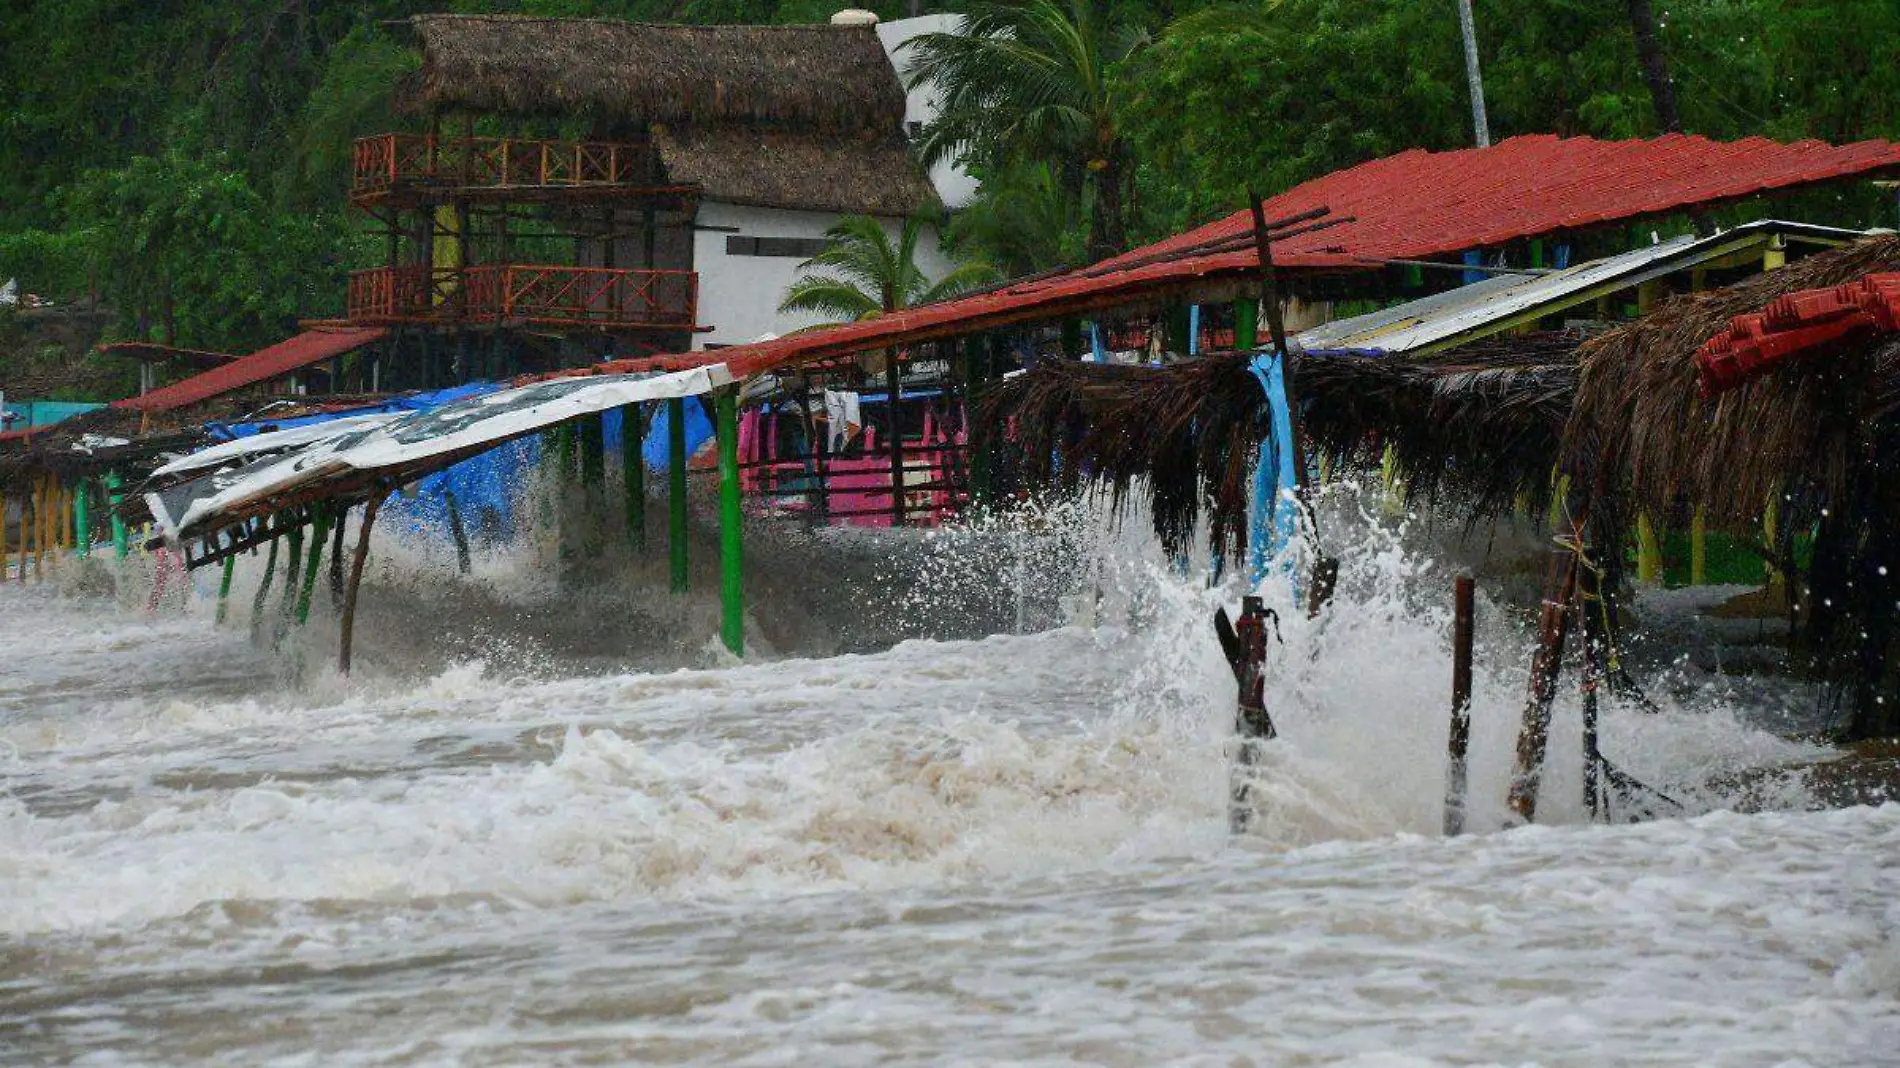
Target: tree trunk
[(1649, 53), (1108, 227)]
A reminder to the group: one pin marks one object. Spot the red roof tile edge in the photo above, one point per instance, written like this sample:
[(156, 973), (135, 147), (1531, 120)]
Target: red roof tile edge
[(1802, 325)]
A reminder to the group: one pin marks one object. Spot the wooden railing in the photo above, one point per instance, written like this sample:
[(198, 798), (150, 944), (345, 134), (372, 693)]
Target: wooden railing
[(528, 293), (386, 160)]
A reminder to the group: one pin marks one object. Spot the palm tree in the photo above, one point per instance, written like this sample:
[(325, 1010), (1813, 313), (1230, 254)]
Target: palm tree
[(1039, 79), (870, 275)]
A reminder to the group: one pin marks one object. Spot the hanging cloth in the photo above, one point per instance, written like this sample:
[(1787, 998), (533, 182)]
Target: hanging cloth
[(1272, 524)]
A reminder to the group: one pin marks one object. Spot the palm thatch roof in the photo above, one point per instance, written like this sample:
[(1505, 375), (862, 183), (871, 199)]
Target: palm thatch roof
[(1641, 426), (861, 173), (833, 78), (1484, 423)]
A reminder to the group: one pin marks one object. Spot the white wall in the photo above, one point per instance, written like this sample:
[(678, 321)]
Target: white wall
[(954, 187), (739, 295)]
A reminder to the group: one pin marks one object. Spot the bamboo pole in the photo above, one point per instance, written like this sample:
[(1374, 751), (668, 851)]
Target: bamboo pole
[(1590, 602), (39, 531), (1648, 551), (893, 384), (347, 632), (336, 558), (1458, 744), (676, 497), (1699, 547), (731, 557)]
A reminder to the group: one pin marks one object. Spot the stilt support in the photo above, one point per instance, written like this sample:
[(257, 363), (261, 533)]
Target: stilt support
[(82, 518), (320, 532), (121, 544), (1458, 745), (633, 472), (1534, 736), (731, 575), (224, 588), (348, 627)]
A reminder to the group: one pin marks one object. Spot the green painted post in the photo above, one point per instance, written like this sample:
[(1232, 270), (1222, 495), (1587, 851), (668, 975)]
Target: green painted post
[(633, 473), (317, 538), (263, 586), (121, 544), (676, 479), (224, 588), (731, 577), (1072, 338), (1246, 324), (82, 518)]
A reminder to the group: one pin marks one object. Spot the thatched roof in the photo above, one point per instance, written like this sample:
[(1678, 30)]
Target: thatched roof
[(1642, 427), (1483, 422), (855, 173), (834, 78)]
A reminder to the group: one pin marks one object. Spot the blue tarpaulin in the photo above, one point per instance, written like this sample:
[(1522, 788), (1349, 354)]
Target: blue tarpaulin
[(1272, 524)]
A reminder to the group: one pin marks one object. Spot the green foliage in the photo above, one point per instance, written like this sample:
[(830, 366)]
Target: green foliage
[(867, 274), (191, 254), (1022, 220)]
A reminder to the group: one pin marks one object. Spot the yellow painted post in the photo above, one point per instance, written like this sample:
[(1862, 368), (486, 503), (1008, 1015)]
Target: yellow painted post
[(1648, 552), (1645, 297), (1699, 548), (1776, 254)]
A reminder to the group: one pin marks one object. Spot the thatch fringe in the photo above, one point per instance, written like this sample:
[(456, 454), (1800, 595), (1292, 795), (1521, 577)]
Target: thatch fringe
[(834, 78), (1484, 423)]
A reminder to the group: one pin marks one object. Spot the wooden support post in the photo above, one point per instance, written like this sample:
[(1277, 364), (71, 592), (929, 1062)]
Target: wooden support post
[(731, 560), (115, 496), (976, 362), (893, 428), (1776, 255), (633, 473), (347, 631), (1458, 745), (320, 532), (40, 505), (457, 532), (592, 434), (1071, 339), (676, 495), (1534, 736), (3, 533), (1590, 605)]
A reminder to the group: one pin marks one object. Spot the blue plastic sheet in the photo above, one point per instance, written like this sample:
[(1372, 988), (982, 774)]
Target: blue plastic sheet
[(1271, 526)]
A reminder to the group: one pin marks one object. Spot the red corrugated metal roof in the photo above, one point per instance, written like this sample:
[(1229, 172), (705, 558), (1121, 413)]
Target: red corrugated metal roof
[(1803, 323), (1414, 205), (309, 347)]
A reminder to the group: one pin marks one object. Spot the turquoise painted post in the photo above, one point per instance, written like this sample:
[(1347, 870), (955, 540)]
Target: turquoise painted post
[(121, 544), (731, 562), (82, 518), (676, 478)]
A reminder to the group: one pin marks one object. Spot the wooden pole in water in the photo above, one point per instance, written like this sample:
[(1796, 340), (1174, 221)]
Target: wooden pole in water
[(1534, 736), (731, 558), (39, 530), (320, 531), (336, 558), (348, 627), (633, 473), (676, 497), (1459, 743), (1590, 603)]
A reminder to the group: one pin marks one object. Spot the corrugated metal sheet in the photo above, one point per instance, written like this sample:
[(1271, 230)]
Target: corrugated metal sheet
[(1798, 324), (1414, 205), (1468, 310), (307, 348)]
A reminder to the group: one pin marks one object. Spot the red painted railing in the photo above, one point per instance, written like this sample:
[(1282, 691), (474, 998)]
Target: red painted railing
[(537, 294), (389, 159)]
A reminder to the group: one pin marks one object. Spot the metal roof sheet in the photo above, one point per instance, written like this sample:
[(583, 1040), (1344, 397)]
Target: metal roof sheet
[(291, 354), (1460, 313)]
